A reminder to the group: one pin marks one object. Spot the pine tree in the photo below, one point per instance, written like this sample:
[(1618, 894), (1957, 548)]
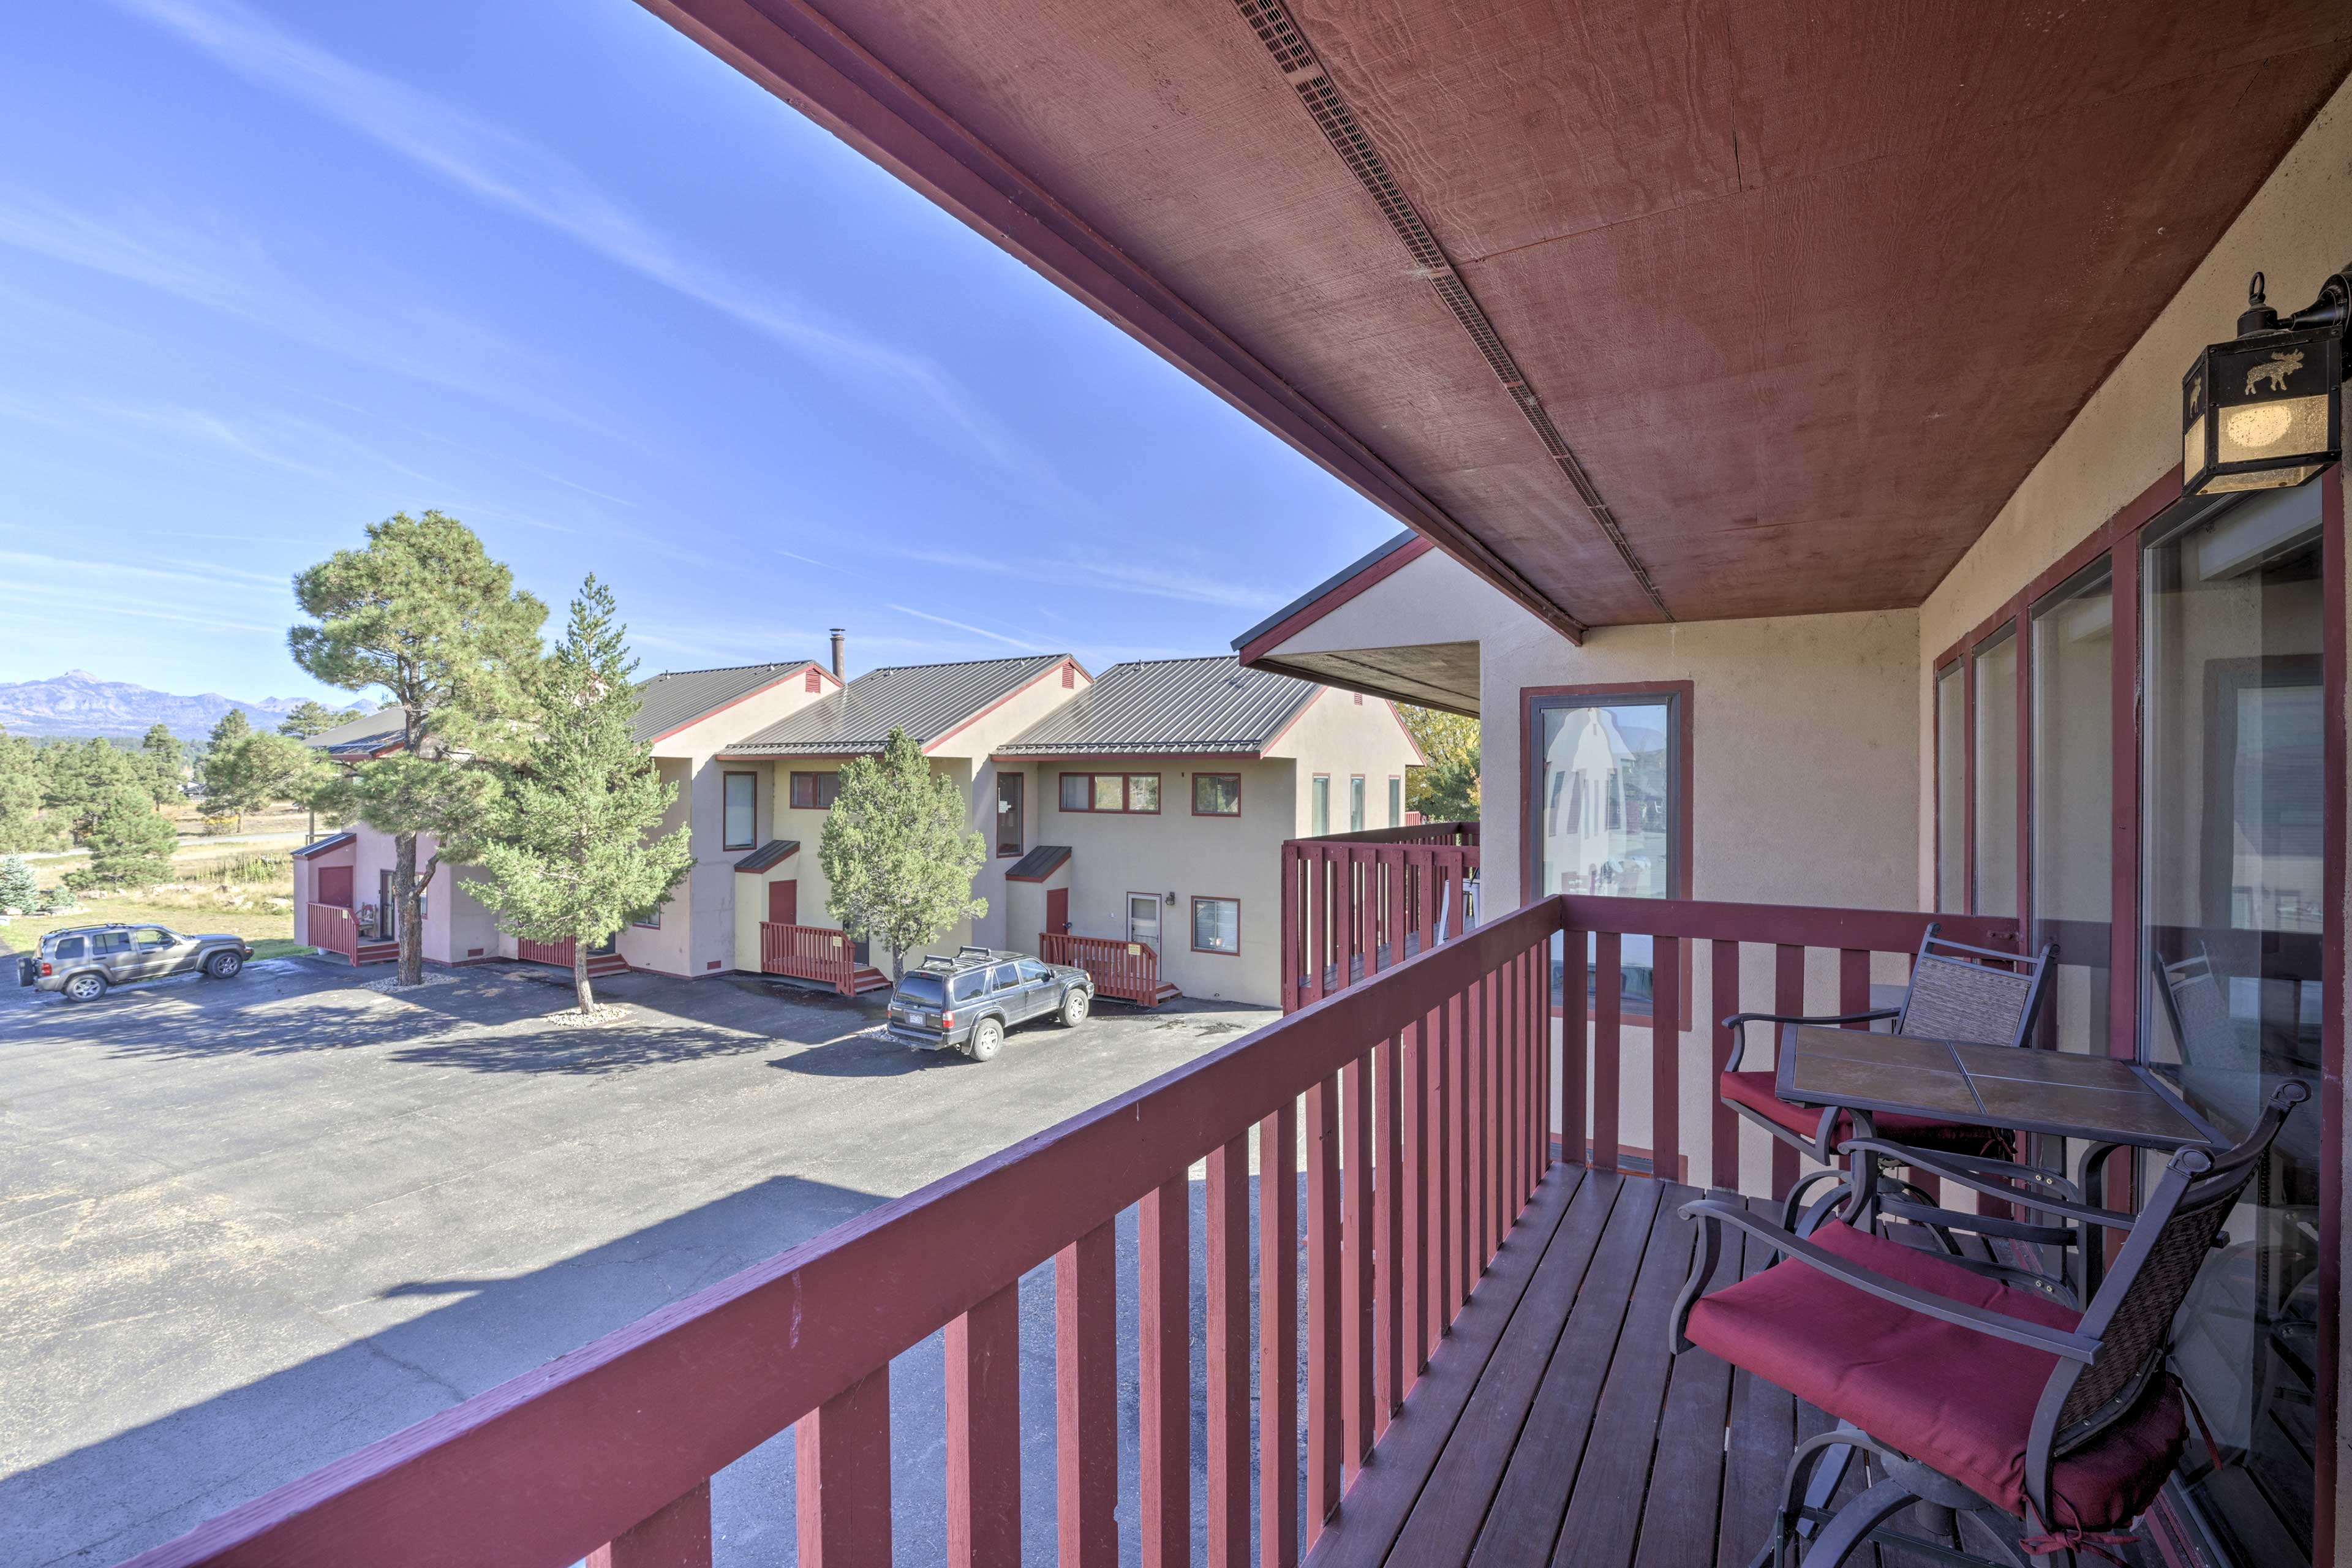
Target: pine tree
[(306, 719), (19, 893), (21, 824), (167, 759), (898, 852), (128, 842), (79, 777), (424, 613), (568, 858)]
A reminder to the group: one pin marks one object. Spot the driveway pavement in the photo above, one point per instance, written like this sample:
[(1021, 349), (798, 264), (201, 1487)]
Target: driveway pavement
[(246, 1228)]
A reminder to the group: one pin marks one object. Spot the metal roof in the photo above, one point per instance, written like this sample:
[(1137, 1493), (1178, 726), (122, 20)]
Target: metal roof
[(1169, 705), (321, 845), (927, 700), (363, 737), (668, 702), (676, 697), (1038, 864), (1361, 563), (774, 852)]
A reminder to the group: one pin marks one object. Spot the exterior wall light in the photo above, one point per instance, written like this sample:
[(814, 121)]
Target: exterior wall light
[(1171, 900), (2265, 410)]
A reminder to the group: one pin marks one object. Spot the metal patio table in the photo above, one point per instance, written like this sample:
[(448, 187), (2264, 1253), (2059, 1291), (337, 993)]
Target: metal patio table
[(2104, 1102)]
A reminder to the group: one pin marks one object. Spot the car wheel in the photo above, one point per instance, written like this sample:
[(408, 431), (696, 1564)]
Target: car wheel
[(85, 987), (225, 965), (1074, 1007), (987, 1040)]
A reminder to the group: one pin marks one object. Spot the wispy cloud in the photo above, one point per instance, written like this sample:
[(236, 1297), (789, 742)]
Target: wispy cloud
[(1126, 577), (510, 172), (210, 262), (976, 631)]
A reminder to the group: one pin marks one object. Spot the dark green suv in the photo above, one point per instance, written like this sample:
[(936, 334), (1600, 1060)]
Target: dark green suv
[(968, 1001)]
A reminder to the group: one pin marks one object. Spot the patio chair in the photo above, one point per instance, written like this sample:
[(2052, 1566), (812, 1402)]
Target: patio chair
[(1957, 993), (1965, 1394)]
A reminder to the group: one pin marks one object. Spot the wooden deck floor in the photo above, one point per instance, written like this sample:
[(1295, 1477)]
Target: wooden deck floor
[(1554, 1426)]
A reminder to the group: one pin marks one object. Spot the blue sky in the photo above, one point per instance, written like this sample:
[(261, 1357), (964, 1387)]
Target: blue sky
[(269, 272)]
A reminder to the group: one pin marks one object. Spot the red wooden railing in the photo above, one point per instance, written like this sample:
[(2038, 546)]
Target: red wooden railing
[(809, 952), (1354, 904), (1437, 1074), (1593, 1088), (556, 953), (1127, 970), (332, 930)]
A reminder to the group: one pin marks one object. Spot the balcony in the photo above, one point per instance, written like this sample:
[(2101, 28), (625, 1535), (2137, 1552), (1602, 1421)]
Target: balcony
[(1466, 1363)]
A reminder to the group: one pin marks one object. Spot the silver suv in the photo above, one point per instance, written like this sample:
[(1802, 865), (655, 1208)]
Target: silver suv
[(83, 961)]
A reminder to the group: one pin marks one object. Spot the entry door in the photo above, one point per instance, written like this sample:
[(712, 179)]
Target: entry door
[(785, 902), (1057, 909), (335, 886), (1143, 920)]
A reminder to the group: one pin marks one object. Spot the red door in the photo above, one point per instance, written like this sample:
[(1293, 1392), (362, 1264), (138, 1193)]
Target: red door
[(1057, 909), (785, 903), (335, 886)]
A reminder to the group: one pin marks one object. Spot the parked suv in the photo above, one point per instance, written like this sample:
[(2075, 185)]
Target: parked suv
[(967, 1002), (83, 961)]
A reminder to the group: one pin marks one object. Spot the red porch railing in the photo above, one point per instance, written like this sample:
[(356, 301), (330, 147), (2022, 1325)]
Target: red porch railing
[(1356, 903), (1435, 1075), (1127, 970), (1820, 963), (809, 952), (332, 930)]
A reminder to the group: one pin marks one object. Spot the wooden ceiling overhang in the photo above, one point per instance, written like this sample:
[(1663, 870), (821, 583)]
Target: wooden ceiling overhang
[(1640, 309)]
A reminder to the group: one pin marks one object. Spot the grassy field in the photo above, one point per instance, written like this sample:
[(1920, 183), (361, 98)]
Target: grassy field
[(248, 893)]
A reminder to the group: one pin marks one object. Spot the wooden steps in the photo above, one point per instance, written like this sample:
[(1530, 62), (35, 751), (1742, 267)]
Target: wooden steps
[(1167, 989), (378, 952), (601, 965), (868, 978)]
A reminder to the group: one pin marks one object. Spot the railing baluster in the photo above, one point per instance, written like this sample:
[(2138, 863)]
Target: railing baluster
[(1460, 1208), (1286, 942), (1666, 1058), (1164, 1381), (1356, 1391), (1789, 1000), (984, 1400), (842, 1459), (1324, 1435), (1441, 1190), (1085, 1399), (1724, 1122), (1387, 1249), (1608, 975), (1573, 1097), (1278, 1353), (1319, 916), (1489, 1119), (1414, 1190), (1854, 983), (1229, 1354), (677, 1537)]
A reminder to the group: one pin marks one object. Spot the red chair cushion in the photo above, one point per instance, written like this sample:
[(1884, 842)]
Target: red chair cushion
[(1757, 1091), (1959, 1400)]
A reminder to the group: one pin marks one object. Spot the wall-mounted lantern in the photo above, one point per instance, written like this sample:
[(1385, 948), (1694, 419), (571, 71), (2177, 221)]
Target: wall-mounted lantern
[(2265, 410)]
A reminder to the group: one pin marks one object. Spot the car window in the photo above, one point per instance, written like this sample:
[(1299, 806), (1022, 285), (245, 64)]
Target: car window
[(1005, 977), (151, 936), (71, 947), (968, 984), (111, 942), (1032, 970), (921, 989)]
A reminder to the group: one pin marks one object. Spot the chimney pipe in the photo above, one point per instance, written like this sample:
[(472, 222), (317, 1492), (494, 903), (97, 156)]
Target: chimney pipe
[(839, 672)]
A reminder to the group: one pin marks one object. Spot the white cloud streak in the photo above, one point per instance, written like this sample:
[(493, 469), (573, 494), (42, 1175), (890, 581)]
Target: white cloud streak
[(976, 631), (505, 169), (1152, 581)]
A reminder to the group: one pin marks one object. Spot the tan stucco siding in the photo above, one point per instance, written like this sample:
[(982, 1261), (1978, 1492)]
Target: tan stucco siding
[(1434, 599), (1345, 736), (664, 948), (2296, 230)]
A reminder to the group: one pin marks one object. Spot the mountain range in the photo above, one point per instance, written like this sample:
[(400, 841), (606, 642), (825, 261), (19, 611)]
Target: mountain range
[(79, 703)]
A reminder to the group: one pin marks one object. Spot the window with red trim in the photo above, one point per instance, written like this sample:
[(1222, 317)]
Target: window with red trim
[(1129, 794), (815, 792)]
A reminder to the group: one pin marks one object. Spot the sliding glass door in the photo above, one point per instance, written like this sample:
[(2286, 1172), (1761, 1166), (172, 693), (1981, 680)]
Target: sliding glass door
[(2073, 819), (2234, 794)]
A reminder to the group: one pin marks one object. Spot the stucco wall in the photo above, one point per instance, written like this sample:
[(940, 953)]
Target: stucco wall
[(664, 947), (1432, 600), (1342, 734)]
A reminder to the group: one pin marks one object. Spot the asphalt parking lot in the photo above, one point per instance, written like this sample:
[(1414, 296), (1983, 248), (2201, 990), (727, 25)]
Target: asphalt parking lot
[(246, 1227)]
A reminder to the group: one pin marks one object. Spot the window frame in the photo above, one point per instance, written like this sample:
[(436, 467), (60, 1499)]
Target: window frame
[(1020, 814), (1396, 800), (1192, 931), (1126, 793), (1679, 695), (1360, 806), (1237, 795), (1319, 804), (727, 782), (817, 801)]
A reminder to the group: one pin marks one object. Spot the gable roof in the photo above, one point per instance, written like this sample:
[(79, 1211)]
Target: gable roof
[(1170, 706), (927, 700), (676, 697), (668, 702), (320, 846)]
